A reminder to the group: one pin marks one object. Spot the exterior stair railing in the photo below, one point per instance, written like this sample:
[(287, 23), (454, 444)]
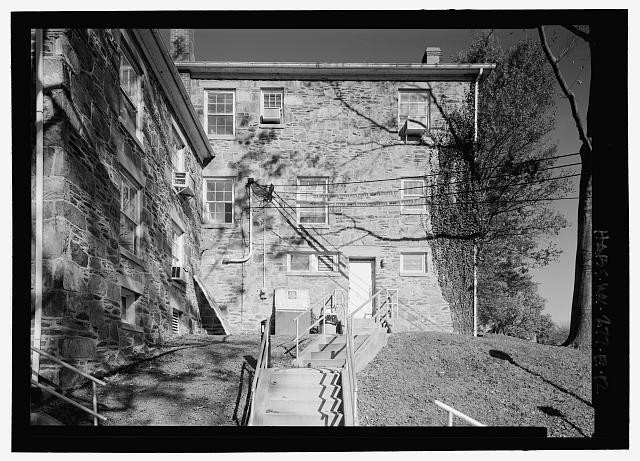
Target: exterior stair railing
[(263, 362), (329, 304), (386, 305), (94, 381), (453, 412), (350, 371)]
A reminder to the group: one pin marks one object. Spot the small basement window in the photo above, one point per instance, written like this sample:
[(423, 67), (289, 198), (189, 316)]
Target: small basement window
[(175, 321), (310, 262), (413, 263)]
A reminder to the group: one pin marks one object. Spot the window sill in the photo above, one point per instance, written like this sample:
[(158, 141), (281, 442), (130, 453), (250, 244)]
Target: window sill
[(412, 212), (134, 136), (413, 274), (276, 126), (313, 226), (131, 257), (225, 137), (123, 324), (218, 225), (313, 274)]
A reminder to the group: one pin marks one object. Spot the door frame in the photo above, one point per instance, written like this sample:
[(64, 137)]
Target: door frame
[(372, 261)]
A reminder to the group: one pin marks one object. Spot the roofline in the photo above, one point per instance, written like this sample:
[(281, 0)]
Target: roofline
[(333, 71), (165, 71)]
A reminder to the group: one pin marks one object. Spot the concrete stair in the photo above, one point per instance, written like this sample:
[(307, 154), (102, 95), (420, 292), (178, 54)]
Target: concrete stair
[(298, 397)]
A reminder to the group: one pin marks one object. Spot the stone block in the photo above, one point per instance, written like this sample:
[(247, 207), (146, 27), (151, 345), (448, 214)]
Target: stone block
[(72, 277), (97, 285), (78, 255), (54, 303), (77, 347), (55, 238)]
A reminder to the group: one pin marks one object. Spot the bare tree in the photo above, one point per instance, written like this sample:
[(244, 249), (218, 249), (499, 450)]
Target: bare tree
[(580, 328)]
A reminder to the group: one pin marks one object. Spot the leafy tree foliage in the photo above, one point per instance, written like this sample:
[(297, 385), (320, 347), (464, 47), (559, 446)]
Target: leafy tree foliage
[(511, 172)]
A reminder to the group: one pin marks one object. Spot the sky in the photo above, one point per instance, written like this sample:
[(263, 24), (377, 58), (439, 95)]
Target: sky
[(407, 45)]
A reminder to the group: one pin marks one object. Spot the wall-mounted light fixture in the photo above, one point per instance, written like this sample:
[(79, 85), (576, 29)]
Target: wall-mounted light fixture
[(381, 263)]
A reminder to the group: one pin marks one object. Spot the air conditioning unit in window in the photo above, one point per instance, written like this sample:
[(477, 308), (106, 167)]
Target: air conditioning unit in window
[(178, 274), (272, 115), (183, 182), (413, 128)]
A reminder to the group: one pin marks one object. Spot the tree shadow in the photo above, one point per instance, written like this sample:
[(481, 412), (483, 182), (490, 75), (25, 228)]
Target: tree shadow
[(550, 411), (504, 356)]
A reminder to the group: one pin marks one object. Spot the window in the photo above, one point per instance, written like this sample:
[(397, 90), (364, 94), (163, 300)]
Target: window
[(310, 211), (414, 106), (177, 150), (413, 191), (177, 244), (413, 263), (271, 109), (219, 201), (127, 305), (310, 262), (131, 93), (129, 215), (220, 113)]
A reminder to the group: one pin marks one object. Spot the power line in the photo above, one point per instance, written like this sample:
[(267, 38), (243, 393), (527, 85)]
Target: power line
[(369, 193), (417, 177)]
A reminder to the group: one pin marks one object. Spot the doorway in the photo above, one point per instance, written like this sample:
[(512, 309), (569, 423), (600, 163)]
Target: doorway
[(361, 286)]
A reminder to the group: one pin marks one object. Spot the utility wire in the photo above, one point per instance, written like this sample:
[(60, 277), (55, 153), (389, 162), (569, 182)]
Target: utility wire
[(421, 176)]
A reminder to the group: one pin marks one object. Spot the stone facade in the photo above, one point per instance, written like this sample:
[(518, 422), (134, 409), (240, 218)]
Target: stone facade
[(87, 273), (338, 129)]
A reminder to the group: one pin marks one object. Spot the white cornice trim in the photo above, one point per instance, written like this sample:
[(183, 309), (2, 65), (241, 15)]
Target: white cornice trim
[(167, 75), (333, 71)]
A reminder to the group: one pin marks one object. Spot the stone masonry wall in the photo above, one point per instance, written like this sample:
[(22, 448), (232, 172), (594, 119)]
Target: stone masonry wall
[(85, 146), (347, 131)]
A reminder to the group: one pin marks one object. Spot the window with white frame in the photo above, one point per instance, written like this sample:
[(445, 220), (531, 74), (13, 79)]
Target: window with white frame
[(220, 113), (177, 150), (413, 263), (413, 105), (177, 245), (271, 107), (219, 200), (130, 197), (413, 196), (312, 262), (127, 305), (130, 92), (311, 193)]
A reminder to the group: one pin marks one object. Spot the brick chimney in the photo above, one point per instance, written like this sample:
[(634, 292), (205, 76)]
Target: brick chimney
[(432, 55), (181, 45)]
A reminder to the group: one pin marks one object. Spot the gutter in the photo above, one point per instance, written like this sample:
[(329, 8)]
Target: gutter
[(39, 198), (165, 71), (246, 258), (333, 71)]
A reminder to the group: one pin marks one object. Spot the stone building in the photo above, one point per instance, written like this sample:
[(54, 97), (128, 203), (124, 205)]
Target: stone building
[(333, 139), (116, 198)]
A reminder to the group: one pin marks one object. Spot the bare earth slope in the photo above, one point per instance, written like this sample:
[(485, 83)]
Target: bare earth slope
[(496, 380)]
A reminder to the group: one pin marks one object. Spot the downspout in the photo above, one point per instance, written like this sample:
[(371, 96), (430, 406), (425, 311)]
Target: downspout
[(37, 328), (475, 242), (248, 257)]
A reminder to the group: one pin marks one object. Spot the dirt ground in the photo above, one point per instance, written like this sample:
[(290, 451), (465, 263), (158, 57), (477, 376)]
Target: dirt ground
[(496, 380), (204, 380)]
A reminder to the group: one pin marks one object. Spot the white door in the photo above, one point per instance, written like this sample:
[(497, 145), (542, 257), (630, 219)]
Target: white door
[(360, 286)]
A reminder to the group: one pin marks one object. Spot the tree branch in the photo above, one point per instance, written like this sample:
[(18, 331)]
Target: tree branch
[(583, 35), (565, 89)]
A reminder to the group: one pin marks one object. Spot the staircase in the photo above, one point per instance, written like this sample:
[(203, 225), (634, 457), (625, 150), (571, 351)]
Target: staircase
[(299, 397)]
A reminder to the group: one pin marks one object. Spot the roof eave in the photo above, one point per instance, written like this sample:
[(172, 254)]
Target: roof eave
[(167, 75), (333, 71)]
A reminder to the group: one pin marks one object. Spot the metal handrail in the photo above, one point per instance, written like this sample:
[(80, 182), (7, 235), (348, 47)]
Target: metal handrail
[(262, 363), (373, 296), (453, 411), (322, 318), (94, 380), (351, 371)]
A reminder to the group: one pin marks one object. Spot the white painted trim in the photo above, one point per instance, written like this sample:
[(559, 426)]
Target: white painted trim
[(205, 218), (425, 266), (403, 195)]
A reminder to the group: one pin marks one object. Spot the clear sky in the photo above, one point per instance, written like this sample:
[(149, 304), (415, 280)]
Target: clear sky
[(407, 45)]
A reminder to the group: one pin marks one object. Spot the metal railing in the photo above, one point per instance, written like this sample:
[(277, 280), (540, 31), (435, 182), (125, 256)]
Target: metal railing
[(350, 369), (263, 362), (382, 303), (94, 382), (453, 412), (333, 303)]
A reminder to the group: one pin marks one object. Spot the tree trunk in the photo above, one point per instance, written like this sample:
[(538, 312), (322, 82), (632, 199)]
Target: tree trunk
[(580, 329)]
